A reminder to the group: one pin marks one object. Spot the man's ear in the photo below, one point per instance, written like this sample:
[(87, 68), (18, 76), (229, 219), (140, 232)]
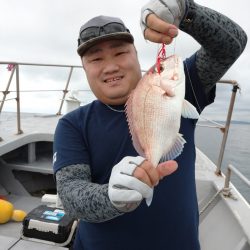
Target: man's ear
[(82, 60)]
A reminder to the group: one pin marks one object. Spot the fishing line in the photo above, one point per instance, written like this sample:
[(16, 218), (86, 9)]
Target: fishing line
[(175, 39), (176, 62), (191, 83)]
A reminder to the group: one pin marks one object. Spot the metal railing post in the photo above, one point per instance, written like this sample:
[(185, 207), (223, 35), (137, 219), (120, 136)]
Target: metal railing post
[(6, 92), (65, 91), (226, 129), (226, 189), (19, 131)]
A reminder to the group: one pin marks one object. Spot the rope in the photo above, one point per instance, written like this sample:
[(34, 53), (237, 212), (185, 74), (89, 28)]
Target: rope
[(210, 202)]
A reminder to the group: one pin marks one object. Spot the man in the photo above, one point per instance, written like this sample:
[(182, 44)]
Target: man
[(100, 178)]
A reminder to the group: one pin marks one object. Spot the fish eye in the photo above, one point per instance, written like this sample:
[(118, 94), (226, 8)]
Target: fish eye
[(156, 69)]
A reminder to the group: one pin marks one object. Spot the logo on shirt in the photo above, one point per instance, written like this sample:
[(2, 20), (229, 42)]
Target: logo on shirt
[(54, 158)]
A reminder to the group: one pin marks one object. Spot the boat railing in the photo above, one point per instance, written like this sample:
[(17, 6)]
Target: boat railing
[(226, 190), (229, 171), (224, 128), (14, 68)]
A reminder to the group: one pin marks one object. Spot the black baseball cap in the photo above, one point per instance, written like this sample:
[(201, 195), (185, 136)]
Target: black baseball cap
[(102, 28)]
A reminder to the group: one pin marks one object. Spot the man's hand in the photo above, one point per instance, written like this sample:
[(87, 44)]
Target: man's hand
[(133, 179), (158, 31), (150, 175), (160, 19)]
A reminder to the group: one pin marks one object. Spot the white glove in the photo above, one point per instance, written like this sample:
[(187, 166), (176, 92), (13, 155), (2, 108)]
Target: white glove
[(124, 190), (171, 11)]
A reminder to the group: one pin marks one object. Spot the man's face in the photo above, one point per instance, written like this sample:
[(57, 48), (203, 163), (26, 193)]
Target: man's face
[(112, 69)]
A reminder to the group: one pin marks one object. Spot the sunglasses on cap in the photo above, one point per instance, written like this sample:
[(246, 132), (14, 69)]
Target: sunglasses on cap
[(96, 31)]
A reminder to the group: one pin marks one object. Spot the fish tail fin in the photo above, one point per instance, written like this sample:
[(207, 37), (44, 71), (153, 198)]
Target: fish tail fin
[(176, 148), (189, 111)]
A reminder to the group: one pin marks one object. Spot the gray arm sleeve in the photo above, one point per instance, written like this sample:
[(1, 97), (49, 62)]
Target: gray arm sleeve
[(222, 42), (81, 198)]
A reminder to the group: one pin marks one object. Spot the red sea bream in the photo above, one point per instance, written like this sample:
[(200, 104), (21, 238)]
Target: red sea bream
[(154, 111)]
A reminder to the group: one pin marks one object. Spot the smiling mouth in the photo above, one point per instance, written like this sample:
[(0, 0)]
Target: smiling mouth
[(113, 80)]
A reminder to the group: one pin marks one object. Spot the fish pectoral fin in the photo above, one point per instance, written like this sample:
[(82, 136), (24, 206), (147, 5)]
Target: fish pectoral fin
[(176, 148), (189, 111)]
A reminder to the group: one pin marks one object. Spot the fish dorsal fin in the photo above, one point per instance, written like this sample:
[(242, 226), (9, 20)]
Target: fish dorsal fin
[(176, 149), (189, 111)]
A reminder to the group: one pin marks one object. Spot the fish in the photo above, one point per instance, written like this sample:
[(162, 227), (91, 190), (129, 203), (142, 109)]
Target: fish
[(154, 109)]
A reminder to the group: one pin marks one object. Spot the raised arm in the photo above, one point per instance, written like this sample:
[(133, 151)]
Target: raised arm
[(221, 39)]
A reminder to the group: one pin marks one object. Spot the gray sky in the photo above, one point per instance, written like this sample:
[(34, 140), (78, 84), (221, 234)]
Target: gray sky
[(45, 31)]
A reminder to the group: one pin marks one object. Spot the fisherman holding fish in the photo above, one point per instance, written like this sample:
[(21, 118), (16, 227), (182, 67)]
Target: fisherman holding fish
[(115, 159)]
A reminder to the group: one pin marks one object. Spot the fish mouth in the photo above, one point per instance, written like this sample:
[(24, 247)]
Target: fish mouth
[(113, 80)]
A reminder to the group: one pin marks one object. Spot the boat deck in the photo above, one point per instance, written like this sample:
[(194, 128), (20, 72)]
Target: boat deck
[(35, 127), (224, 222)]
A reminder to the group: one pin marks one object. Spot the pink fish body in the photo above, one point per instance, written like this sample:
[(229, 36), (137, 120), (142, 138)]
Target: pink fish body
[(154, 112)]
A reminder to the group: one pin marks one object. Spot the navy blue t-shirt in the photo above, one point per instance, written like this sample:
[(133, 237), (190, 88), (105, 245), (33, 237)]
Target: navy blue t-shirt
[(99, 137)]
